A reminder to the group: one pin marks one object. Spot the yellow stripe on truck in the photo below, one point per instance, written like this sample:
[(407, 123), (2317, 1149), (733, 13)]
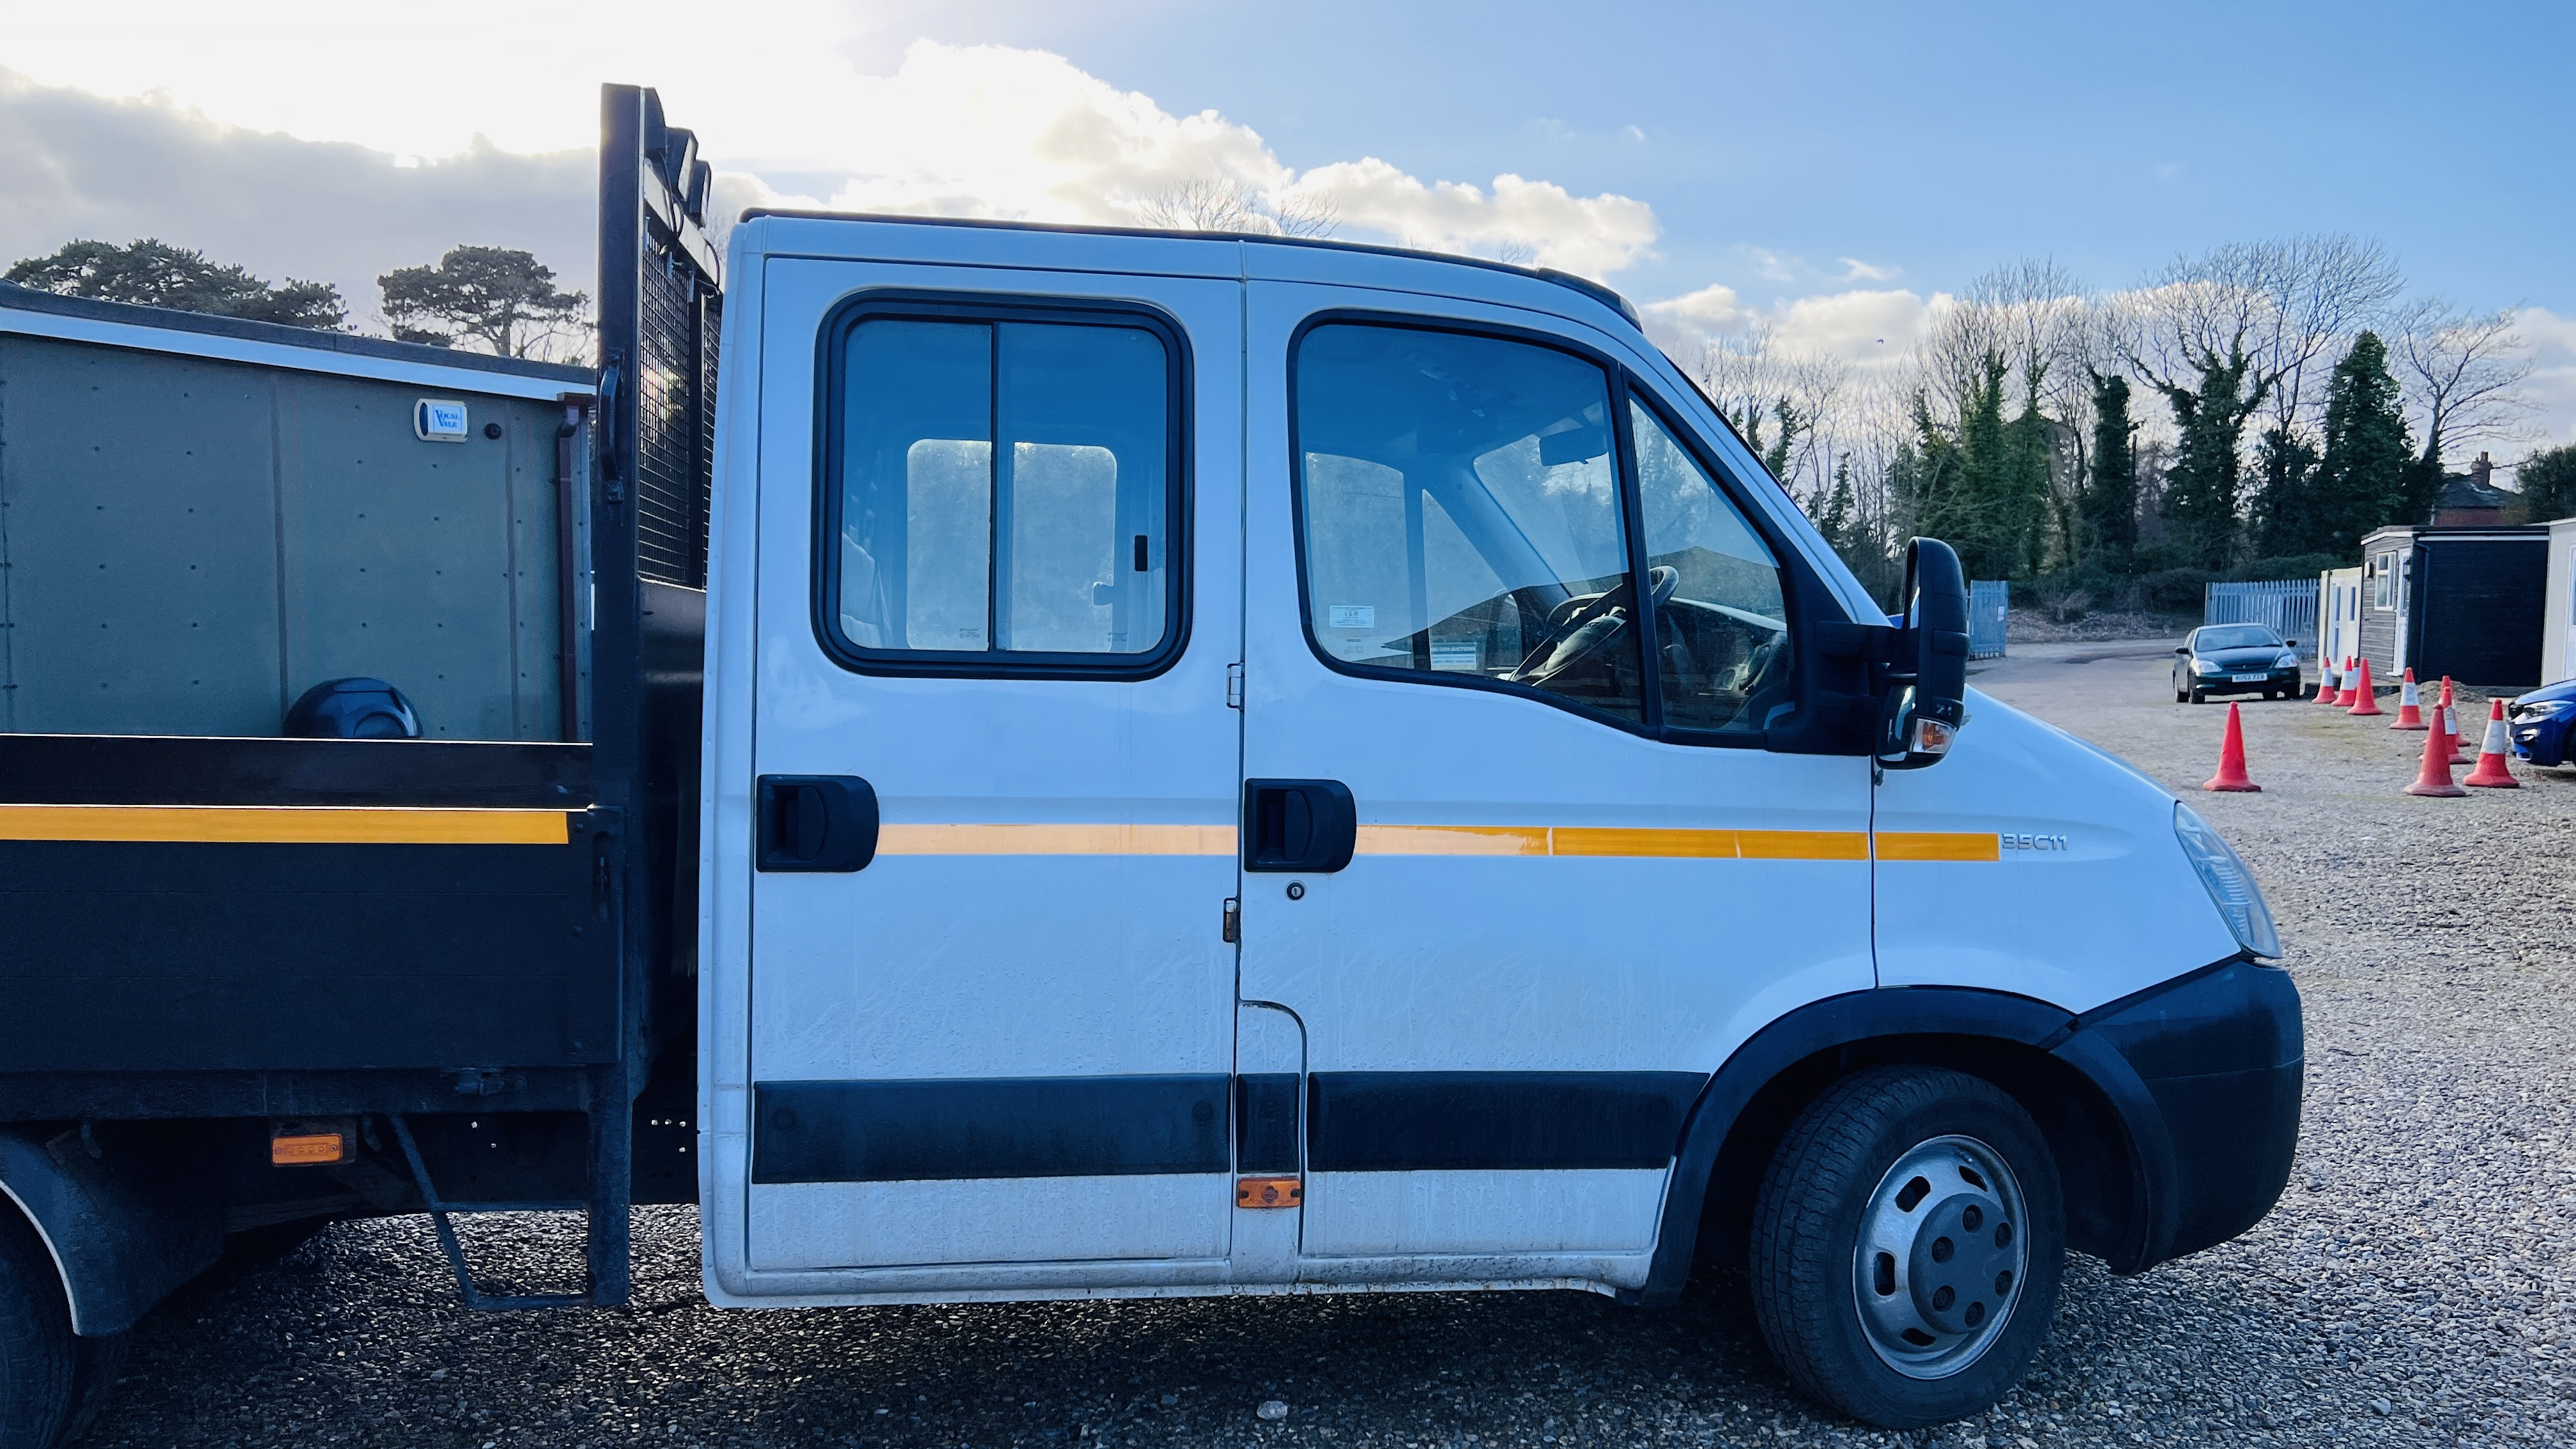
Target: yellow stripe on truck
[(1938, 845), (286, 824), (1070, 839), (1585, 840)]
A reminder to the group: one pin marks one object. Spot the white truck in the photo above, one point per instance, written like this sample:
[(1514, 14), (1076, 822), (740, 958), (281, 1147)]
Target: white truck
[(1234, 765)]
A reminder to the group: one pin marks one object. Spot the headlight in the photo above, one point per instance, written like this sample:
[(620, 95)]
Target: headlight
[(2231, 885), (2203, 666), (2289, 660), (2543, 708)]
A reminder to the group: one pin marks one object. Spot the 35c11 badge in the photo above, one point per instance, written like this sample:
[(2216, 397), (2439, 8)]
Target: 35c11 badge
[(2035, 842)]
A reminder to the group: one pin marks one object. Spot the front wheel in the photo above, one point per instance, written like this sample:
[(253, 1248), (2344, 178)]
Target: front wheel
[(1907, 1245)]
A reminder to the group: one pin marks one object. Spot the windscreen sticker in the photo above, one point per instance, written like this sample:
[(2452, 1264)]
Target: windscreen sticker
[(1465, 655), (1353, 616)]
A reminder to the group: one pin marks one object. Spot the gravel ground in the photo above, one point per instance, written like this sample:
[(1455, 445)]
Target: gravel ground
[(2412, 1288)]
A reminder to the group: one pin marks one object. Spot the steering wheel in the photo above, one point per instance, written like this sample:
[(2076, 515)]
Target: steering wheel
[(1588, 627)]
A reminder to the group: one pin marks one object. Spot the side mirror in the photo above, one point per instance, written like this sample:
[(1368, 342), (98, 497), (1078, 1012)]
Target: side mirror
[(2182, 649), (1927, 691), (2289, 643)]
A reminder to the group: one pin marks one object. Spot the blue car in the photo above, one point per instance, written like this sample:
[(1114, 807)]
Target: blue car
[(2540, 721)]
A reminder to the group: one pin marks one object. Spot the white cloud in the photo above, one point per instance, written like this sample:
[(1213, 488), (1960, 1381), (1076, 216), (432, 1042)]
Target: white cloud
[(1024, 135), (1860, 326), (983, 131), (2553, 372), (1856, 270), (74, 164), (1773, 266)]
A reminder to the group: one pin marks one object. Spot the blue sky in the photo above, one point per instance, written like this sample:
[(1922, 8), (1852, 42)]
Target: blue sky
[(1857, 160), (1933, 140)]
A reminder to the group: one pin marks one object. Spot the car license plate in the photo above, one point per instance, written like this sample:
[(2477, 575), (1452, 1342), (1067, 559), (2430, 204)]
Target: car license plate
[(2249, 678)]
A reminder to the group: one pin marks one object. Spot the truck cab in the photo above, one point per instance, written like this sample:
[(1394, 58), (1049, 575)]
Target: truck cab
[(1235, 765)]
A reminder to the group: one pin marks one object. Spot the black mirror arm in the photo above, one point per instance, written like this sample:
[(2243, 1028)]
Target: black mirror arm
[(1926, 700)]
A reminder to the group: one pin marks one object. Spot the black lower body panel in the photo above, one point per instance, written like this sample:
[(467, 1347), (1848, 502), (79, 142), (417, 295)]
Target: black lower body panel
[(258, 957)]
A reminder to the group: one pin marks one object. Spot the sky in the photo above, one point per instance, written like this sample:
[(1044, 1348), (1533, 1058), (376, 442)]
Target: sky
[(1831, 170)]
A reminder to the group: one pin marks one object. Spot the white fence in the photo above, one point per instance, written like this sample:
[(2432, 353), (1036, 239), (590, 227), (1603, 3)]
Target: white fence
[(1989, 608), (2288, 605)]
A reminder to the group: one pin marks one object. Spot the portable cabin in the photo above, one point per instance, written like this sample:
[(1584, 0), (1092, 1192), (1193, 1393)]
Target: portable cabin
[(2462, 602), (2558, 628)]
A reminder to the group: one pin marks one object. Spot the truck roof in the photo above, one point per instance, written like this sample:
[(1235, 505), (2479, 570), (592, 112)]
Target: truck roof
[(29, 312), (1589, 288)]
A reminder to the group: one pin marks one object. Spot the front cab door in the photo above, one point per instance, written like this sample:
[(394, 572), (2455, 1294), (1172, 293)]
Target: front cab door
[(1575, 878)]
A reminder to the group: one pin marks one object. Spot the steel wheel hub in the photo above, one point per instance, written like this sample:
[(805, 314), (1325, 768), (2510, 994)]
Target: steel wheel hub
[(1941, 1257)]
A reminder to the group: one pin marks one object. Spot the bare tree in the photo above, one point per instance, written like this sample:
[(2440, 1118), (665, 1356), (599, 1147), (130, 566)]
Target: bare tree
[(1225, 204), (2319, 291), (2463, 372), (1784, 403)]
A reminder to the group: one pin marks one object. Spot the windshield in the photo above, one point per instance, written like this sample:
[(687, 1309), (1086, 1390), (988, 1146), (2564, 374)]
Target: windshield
[(2237, 636)]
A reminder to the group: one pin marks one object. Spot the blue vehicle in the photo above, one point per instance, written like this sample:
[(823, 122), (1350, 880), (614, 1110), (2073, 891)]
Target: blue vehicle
[(2539, 723)]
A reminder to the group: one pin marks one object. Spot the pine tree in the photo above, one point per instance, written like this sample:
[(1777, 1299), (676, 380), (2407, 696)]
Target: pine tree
[(2110, 500), (2363, 481), (2029, 441), (2201, 489), (2548, 482), (2285, 517), (157, 274)]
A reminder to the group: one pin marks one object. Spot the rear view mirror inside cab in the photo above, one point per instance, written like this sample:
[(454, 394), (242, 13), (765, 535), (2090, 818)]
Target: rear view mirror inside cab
[(1574, 445)]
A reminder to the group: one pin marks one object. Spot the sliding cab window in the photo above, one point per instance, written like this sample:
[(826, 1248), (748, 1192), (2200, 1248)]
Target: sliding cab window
[(1001, 495), (1461, 514)]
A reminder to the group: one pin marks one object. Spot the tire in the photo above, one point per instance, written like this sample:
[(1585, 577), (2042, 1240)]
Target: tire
[(1889, 1339), (2199, 696), (39, 1356), (96, 1363)]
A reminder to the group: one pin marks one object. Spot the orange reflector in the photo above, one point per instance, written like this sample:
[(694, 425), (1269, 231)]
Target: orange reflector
[(1268, 1192), (310, 1150)]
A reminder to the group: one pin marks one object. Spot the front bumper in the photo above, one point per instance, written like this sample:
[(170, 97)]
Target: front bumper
[(2542, 739), (2208, 1074), (2272, 679)]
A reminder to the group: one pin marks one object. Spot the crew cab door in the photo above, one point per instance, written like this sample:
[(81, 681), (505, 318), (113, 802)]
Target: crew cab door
[(1567, 883), (993, 778)]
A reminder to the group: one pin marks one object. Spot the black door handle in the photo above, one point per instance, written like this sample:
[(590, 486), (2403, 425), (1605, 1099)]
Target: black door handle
[(1301, 825), (815, 823)]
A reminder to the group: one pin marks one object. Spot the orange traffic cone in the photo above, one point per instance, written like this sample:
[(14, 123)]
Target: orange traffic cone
[(2343, 696), (2410, 706), (2231, 758), (2451, 725), (2435, 777), (2491, 772), (2326, 690), (2365, 699)]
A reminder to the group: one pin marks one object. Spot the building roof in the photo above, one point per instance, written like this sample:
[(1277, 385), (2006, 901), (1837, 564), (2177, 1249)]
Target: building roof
[(2469, 490)]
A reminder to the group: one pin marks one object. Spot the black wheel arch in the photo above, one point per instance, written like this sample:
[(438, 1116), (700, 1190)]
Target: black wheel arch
[(2113, 1156)]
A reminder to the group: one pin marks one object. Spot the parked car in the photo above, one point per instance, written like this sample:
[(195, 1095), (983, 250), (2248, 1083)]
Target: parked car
[(2541, 721), (2235, 659)]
